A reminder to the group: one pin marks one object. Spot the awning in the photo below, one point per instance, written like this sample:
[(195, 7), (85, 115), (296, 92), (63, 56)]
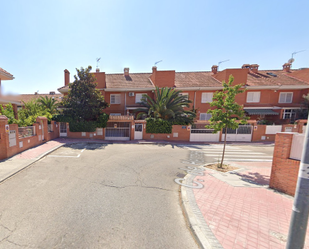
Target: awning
[(261, 112)]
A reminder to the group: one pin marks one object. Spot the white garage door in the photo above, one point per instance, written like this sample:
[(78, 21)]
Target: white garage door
[(242, 134), (200, 134)]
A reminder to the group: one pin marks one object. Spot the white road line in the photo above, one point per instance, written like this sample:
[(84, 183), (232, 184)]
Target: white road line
[(82, 150), (240, 156), (63, 156)]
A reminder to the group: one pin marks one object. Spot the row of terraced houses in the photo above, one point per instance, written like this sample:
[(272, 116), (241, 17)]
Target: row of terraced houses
[(272, 96)]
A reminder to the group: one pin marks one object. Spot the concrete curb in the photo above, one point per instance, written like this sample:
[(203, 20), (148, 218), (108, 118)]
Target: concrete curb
[(203, 234), (26, 165)]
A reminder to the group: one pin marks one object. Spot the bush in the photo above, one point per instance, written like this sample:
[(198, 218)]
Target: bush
[(158, 126), (83, 126), (102, 120)]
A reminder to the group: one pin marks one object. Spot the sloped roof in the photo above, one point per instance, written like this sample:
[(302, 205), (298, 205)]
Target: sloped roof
[(134, 80), (196, 79), (28, 97), (6, 74), (272, 78), (302, 74)]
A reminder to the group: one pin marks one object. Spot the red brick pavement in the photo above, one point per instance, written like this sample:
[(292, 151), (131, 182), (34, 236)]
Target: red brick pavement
[(245, 217)]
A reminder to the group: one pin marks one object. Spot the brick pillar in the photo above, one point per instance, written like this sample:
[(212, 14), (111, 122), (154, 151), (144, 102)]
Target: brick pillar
[(284, 171), (15, 111), (4, 137), (42, 121)]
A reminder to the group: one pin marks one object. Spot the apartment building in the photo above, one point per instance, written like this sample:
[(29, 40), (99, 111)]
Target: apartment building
[(274, 96)]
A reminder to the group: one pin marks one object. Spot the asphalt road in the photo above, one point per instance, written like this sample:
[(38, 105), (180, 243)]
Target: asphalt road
[(98, 196)]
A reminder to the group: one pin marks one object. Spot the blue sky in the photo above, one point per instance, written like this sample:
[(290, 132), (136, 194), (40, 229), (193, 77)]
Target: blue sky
[(39, 39)]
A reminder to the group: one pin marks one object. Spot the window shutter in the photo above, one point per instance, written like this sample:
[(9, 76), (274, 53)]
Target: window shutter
[(282, 98), (207, 97), (205, 116), (289, 97)]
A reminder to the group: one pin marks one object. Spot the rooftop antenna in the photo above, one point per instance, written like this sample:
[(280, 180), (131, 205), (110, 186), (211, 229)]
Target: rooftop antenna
[(98, 59), (292, 59), (221, 62), (157, 62)]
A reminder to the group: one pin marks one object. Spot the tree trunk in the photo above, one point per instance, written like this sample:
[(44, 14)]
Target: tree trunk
[(223, 148)]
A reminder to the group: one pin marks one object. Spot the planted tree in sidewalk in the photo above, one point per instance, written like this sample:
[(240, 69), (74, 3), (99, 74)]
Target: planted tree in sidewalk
[(227, 114), (84, 103)]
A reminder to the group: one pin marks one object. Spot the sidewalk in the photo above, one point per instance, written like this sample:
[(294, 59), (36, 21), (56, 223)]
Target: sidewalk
[(238, 210)]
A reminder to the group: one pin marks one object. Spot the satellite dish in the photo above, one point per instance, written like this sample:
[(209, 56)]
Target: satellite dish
[(291, 60)]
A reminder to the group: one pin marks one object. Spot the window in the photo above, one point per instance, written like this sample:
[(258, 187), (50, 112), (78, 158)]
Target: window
[(115, 99), (115, 114), (286, 98), (185, 94), (253, 97), (289, 114), (205, 116), (207, 97), (139, 97)]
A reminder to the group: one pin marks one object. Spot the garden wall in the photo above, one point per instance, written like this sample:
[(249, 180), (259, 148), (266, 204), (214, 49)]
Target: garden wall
[(284, 171), (179, 133), (11, 144)]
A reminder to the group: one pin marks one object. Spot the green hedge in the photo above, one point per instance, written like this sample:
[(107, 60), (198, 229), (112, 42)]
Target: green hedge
[(83, 126), (158, 126)]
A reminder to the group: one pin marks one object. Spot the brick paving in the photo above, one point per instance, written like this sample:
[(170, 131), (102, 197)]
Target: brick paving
[(245, 217)]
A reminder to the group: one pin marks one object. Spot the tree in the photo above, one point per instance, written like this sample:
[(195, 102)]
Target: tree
[(8, 112), (168, 104), (228, 113), (30, 111), (83, 102), (48, 103)]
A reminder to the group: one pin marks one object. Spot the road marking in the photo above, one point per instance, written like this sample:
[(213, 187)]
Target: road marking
[(82, 150), (63, 156), (240, 156)]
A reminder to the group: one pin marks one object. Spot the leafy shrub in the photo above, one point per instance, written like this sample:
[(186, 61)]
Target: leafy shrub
[(158, 126), (83, 126), (102, 120)]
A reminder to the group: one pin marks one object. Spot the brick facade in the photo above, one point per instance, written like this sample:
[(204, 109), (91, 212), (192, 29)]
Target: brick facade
[(284, 172)]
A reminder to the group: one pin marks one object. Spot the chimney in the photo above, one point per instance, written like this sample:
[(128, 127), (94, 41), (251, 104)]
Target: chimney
[(97, 70), (287, 67), (254, 68), (126, 71), (154, 69), (246, 66), (214, 69), (66, 77), (35, 93), (51, 93)]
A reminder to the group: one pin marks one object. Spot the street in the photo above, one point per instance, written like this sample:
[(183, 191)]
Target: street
[(103, 196)]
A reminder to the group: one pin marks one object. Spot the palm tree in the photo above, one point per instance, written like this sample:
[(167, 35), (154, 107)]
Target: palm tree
[(168, 104), (49, 103)]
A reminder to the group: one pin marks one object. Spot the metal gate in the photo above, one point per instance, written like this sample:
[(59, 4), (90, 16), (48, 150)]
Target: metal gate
[(242, 134), (12, 138), (200, 134), (117, 131), (63, 129)]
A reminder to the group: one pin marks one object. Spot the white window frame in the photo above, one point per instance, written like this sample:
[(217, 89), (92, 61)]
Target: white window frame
[(117, 99), (138, 97), (283, 97), (253, 97), (206, 115), (207, 97), (289, 113)]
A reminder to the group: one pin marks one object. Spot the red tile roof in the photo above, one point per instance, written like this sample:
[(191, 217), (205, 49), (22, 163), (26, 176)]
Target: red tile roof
[(28, 97), (6, 72), (272, 78), (196, 79), (134, 80)]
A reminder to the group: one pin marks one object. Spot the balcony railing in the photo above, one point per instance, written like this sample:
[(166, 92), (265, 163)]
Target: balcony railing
[(122, 117)]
